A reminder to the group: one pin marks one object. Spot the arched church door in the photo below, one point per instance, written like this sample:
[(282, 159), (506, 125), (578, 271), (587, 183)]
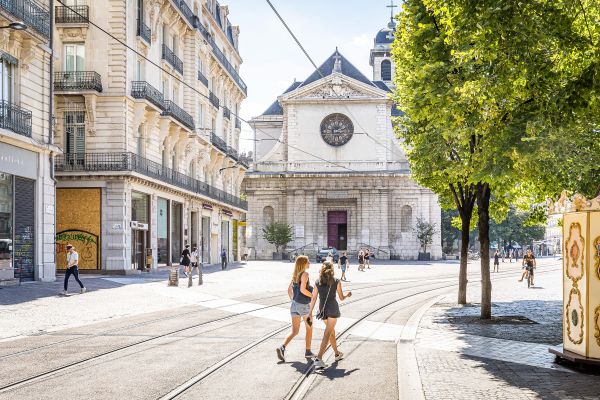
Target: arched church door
[(337, 229)]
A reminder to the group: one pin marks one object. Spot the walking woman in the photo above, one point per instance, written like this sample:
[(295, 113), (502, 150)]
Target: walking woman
[(301, 294), (361, 261), (185, 260), (326, 289), (368, 258)]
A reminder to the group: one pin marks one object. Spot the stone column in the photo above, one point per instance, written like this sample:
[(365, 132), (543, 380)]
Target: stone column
[(116, 208)]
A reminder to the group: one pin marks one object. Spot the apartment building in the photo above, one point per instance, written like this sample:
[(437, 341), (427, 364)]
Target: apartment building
[(146, 115), (27, 203)]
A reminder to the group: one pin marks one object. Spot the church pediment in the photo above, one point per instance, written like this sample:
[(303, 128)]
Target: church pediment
[(335, 87)]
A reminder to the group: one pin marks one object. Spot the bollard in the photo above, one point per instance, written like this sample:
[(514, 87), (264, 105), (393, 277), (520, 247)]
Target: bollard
[(200, 268), (174, 277), (190, 279)]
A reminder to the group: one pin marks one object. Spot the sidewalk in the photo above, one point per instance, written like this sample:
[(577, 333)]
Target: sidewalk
[(461, 357)]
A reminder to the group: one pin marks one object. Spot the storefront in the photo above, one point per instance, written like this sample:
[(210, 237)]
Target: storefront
[(140, 234), (18, 172)]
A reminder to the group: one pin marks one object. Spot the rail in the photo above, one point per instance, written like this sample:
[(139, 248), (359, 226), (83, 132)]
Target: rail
[(214, 100), (218, 142), (77, 80), (144, 90), (15, 118), (32, 13), (179, 114), (127, 161), (144, 31), (202, 78), (169, 56), (71, 14)]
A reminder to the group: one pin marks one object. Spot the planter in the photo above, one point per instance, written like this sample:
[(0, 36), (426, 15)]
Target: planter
[(424, 257)]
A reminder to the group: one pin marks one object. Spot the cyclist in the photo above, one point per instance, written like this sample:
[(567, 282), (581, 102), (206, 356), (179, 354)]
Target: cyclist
[(529, 264)]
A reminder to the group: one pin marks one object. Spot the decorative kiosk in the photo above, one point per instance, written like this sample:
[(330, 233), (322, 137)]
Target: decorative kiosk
[(581, 279)]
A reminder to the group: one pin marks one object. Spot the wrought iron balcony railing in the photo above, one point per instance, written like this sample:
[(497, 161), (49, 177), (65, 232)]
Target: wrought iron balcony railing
[(218, 142), (32, 13), (71, 14), (171, 58), (214, 100), (202, 78), (238, 123), (227, 65), (186, 11), (233, 153), (144, 31), (144, 90), (173, 110), (130, 162), (245, 161), (77, 80), (15, 118), (226, 112), (202, 30)]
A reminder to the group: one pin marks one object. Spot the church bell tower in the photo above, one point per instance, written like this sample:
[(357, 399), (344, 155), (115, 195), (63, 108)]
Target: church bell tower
[(381, 54)]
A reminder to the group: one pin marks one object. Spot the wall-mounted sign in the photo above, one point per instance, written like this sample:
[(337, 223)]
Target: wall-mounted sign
[(227, 212), (17, 161), (139, 226), (207, 207), (299, 231)]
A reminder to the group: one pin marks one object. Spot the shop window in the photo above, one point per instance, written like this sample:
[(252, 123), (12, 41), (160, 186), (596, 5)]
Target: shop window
[(6, 221), (176, 231), (162, 230)]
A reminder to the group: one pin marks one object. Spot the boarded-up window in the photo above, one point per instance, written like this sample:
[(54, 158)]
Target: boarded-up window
[(268, 215), (405, 218)]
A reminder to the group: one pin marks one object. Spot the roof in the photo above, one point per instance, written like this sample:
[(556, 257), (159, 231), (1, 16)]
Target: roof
[(384, 36), (327, 68), (382, 85), (275, 108)]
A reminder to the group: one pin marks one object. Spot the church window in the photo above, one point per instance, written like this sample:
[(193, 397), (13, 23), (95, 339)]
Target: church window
[(268, 215), (386, 70), (405, 219)]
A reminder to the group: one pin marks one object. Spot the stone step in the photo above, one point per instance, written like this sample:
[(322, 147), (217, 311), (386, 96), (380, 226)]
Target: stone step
[(9, 282)]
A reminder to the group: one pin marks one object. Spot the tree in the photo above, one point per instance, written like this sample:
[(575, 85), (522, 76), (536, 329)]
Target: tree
[(450, 233), (493, 89), (424, 231), (278, 234), (516, 228)]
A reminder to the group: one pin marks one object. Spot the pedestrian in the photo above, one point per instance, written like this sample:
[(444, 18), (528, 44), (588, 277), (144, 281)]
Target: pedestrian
[(510, 256), (194, 261), (503, 255), (496, 261), (300, 293), (361, 261), (343, 264), (368, 258), (326, 288), (184, 260), (72, 269), (223, 259)]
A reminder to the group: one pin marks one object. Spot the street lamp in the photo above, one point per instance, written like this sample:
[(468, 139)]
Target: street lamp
[(17, 26)]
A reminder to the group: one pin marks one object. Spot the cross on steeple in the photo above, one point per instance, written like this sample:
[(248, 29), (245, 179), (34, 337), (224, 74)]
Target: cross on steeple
[(337, 64), (392, 24)]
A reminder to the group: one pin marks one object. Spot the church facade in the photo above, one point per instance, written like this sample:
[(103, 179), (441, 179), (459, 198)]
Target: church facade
[(328, 164)]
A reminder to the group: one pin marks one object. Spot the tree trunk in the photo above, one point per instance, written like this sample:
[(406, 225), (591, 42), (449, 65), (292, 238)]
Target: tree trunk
[(483, 205), (464, 258)]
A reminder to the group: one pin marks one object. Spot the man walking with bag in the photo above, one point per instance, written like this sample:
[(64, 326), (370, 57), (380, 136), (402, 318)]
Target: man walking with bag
[(72, 268), (223, 259)]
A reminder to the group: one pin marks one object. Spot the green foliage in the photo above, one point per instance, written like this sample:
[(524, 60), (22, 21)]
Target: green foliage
[(515, 229), (424, 231), (278, 234), (450, 232)]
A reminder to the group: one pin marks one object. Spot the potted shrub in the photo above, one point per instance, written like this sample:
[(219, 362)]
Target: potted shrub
[(278, 234), (424, 231)]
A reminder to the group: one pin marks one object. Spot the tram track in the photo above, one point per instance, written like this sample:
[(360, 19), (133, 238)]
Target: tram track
[(64, 368), (40, 376)]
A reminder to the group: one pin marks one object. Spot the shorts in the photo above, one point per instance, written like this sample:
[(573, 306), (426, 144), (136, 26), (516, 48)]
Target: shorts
[(344, 268), (496, 262), (299, 309)]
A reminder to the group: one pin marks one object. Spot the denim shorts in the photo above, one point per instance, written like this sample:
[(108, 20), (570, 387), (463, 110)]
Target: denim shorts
[(299, 309)]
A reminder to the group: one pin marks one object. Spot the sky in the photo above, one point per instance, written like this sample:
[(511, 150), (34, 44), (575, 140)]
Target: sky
[(271, 59)]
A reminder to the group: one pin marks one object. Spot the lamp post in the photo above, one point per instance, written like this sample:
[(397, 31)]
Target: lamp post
[(17, 26)]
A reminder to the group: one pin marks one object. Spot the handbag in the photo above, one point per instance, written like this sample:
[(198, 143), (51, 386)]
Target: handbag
[(321, 312)]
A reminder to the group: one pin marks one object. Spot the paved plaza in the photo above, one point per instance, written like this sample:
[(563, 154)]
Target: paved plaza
[(402, 334)]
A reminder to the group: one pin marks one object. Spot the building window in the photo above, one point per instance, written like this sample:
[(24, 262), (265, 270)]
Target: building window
[(74, 122), (74, 57), (405, 218), (140, 141), (201, 116), (139, 72), (6, 82), (386, 70)]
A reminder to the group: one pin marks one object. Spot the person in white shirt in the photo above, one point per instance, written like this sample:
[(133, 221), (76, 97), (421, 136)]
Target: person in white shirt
[(194, 259), (72, 268)]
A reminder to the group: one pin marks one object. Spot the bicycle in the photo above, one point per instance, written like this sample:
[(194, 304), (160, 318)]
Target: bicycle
[(473, 256), (529, 277)]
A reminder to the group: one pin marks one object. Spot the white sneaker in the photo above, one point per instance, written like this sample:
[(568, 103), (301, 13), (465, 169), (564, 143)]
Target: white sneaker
[(82, 291), (62, 293), (319, 364), (339, 356)]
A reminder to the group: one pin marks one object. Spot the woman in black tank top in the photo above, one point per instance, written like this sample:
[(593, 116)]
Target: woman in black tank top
[(326, 289)]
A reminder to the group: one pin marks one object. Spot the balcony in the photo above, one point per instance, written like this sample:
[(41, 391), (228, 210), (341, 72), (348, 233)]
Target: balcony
[(130, 162), (15, 118), (173, 110), (202, 78), (145, 91), (171, 58), (233, 153), (226, 113), (144, 31), (218, 142), (238, 123), (33, 14), (77, 80), (185, 10), (227, 65), (72, 15), (245, 161), (214, 100)]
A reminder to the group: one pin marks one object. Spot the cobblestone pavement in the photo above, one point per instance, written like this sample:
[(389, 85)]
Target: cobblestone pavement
[(460, 357)]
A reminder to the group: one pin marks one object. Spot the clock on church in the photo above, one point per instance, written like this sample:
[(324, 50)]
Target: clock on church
[(336, 129)]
